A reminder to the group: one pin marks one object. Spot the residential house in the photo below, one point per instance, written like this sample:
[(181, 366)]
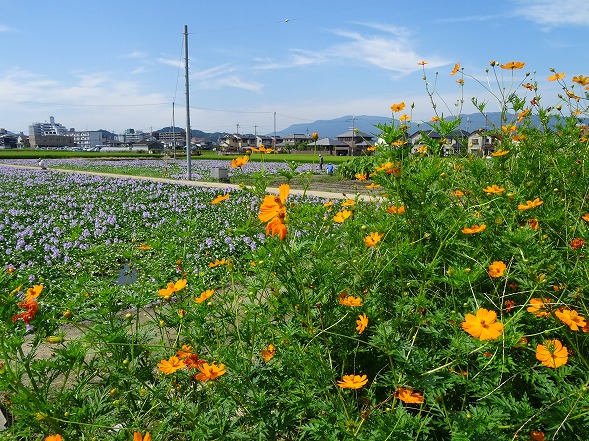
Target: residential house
[(481, 143), (356, 143)]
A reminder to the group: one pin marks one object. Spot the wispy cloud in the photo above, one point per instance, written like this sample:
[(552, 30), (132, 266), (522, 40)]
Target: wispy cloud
[(551, 14), (232, 81), (173, 62), (469, 18), (136, 55), (4, 28)]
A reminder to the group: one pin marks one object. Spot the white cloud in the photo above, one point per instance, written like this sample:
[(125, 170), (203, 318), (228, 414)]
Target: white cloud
[(550, 13), (4, 28), (135, 55), (232, 81)]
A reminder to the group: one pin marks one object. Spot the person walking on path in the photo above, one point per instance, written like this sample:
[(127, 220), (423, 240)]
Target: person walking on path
[(320, 162)]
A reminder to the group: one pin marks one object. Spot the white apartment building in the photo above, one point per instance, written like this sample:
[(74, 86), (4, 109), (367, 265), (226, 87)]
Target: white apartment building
[(87, 140), (48, 128)]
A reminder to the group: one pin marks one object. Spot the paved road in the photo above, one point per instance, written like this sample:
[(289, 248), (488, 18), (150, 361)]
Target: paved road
[(221, 185)]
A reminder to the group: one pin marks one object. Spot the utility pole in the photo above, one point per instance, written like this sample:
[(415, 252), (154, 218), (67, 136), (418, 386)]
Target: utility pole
[(188, 149), (353, 133), (274, 140)]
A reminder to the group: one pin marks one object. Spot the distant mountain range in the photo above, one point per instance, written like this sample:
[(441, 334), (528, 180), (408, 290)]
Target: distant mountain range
[(332, 128)]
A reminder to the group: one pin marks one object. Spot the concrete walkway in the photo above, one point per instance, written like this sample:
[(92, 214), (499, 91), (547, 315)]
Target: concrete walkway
[(206, 184)]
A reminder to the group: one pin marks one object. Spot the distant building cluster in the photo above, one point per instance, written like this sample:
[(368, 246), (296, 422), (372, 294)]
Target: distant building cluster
[(53, 135)]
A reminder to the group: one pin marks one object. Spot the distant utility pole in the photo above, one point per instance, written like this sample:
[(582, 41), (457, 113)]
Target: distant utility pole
[(353, 132), (188, 149)]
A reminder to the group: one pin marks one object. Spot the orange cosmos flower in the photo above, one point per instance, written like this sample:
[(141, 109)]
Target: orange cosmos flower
[(460, 81), (362, 323), (267, 354), (372, 186), (580, 79), (172, 288), (552, 353), (500, 153), (239, 162), (493, 189), (373, 239), (537, 436), (398, 107), (204, 295), (137, 436), (457, 193), (57, 438), (396, 210), (556, 76), (484, 325), (143, 247), (210, 371), (352, 381), (577, 242), (496, 269), (529, 86), (422, 63), (220, 198), (530, 204), (371, 148), (274, 206), (585, 217), (31, 306), (513, 65), (361, 176), (435, 118), (474, 229), (455, 70), (171, 365), (342, 216), (218, 262), (571, 318), (348, 203), (349, 300), (406, 395), (276, 227), (538, 307), (404, 117), (184, 352)]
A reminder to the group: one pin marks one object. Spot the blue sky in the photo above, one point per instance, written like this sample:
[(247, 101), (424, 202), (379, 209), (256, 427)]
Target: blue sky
[(119, 64)]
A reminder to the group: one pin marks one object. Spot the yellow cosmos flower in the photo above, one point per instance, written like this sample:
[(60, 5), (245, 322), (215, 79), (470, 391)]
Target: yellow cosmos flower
[(406, 395), (267, 354), (143, 247), (373, 239), (33, 293), (474, 229), (513, 65), (484, 325), (398, 107), (361, 176), (404, 117), (455, 70), (218, 262), (493, 189), (571, 318), (371, 148), (348, 203), (556, 76), (362, 323), (209, 371), (204, 295), (396, 210), (582, 80), (539, 307), (342, 216), (496, 269), (422, 63), (138, 437), (220, 198), (552, 353), (349, 300), (172, 288), (530, 204), (373, 186), (435, 119), (239, 162), (460, 81), (171, 365), (500, 153), (352, 381)]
